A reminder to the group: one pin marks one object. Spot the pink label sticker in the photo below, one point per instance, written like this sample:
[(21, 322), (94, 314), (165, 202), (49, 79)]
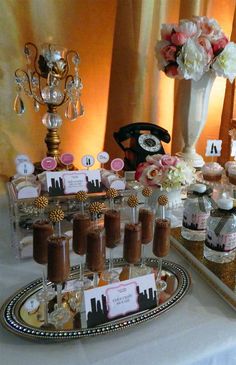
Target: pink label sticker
[(117, 164), (67, 158), (49, 163)]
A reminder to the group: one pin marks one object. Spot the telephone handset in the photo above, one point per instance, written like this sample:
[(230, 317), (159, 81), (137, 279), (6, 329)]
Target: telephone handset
[(138, 140)]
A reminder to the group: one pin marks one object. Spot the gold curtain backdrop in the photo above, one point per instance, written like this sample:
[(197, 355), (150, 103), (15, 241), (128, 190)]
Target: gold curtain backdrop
[(115, 40)]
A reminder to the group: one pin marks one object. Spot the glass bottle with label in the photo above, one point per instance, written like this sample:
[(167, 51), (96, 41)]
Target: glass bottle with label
[(220, 243), (196, 211)]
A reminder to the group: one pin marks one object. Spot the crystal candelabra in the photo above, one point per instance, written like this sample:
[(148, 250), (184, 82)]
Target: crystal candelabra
[(49, 80)]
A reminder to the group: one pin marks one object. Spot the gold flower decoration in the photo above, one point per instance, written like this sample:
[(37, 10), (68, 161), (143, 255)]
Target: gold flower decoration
[(163, 200), (41, 202), (147, 191), (56, 215), (132, 201), (111, 193), (95, 208), (82, 196)]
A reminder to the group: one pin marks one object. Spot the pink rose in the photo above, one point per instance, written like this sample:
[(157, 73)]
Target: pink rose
[(171, 70), (139, 169), (178, 38), (151, 176), (220, 44), (166, 31), (154, 159), (168, 161), (168, 53), (206, 44)]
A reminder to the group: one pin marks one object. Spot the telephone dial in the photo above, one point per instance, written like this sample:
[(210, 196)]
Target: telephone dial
[(139, 140)]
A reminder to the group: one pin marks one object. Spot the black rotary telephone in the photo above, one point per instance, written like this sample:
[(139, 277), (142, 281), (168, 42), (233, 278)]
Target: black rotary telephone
[(139, 140)]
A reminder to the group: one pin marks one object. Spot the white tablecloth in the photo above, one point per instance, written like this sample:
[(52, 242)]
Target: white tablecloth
[(200, 330)]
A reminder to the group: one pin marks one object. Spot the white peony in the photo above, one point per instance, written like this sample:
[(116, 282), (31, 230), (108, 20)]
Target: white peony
[(187, 27), (225, 63), (192, 61)]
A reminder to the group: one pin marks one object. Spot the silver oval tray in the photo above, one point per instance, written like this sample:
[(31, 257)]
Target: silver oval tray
[(13, 318)]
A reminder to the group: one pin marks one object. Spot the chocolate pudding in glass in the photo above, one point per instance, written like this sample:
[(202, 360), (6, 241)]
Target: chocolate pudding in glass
[(132, 242), (58, 259), (81, 224), (146, 217), (95, 258), (161, 240), (41, 231), (112, 227)]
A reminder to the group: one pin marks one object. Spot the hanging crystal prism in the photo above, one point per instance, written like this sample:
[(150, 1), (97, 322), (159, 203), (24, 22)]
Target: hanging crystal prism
[(71, 112), (19, 107), (36, 106)]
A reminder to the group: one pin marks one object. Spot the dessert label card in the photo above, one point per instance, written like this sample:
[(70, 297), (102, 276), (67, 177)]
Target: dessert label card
[(233, 148), (113, 301), (70, 182), (213, 147)]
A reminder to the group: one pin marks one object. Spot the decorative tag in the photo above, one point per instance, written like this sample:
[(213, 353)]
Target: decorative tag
[(74, 182), (103, 157), (87, 160), (117, 164), (195, 221), (67, 159), (70, 182), (224, 242), (233, 148), (113, 301), (25, 168), (213, 147), (49, 163), (21, 158)]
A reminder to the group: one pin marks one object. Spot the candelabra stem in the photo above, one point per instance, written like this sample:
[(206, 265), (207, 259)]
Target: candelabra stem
[(52, 141)]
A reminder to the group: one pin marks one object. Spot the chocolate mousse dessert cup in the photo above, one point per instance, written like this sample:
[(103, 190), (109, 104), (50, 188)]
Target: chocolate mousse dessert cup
[(112, 227), (95, 257), (146, 218), (161, 241), (42, 229), (132, 237), (58, 266), (81, 225)]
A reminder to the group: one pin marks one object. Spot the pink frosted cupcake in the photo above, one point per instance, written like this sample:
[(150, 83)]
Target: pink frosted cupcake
[(228, 165), (212, 171), (232, 174)]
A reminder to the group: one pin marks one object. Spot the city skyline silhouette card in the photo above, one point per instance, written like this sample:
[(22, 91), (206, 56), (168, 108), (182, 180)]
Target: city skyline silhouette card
[(70, 182), (118, 300)]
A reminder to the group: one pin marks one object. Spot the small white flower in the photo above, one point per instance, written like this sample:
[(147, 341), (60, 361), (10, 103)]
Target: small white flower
[(161, 62), (192, 61), (187, 27), (225, 63)]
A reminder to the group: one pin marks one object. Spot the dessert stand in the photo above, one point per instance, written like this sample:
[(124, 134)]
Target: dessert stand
[(14, 315)]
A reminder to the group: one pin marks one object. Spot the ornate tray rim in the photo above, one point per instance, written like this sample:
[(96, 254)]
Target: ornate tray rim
[(11, 320)]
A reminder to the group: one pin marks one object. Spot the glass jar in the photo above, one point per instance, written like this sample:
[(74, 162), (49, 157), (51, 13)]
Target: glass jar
[(220, 243), (196, 212)]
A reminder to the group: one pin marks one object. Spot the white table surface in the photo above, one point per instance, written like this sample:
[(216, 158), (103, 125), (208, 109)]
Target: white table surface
[(201, 329)]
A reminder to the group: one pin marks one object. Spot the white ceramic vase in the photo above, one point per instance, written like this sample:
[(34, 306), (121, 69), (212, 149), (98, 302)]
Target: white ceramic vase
[(192, 102), (174, 198)]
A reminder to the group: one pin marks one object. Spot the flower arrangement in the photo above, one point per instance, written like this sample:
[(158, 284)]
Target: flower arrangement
[(189, 49), (164, 171)]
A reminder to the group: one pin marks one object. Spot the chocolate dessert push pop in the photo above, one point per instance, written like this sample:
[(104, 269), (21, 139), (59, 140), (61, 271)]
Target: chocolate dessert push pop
[(81, 224), (161, 240), (146, 217), (112, 232), (132, 236), (95, 257), (42, 229), (58, 265)]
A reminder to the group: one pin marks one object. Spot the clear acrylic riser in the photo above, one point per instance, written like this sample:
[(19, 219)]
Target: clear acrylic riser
[(23, 214)]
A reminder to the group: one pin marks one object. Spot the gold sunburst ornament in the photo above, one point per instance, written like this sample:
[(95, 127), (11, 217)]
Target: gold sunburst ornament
[(163, 200), (147, 192), (41, 202), (111, 193), (95, 208), (132, 201), (82, 196), (56, 215)]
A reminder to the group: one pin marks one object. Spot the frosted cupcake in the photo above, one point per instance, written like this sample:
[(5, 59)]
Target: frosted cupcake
[(232, 174), (212, 171), (228, 165)]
